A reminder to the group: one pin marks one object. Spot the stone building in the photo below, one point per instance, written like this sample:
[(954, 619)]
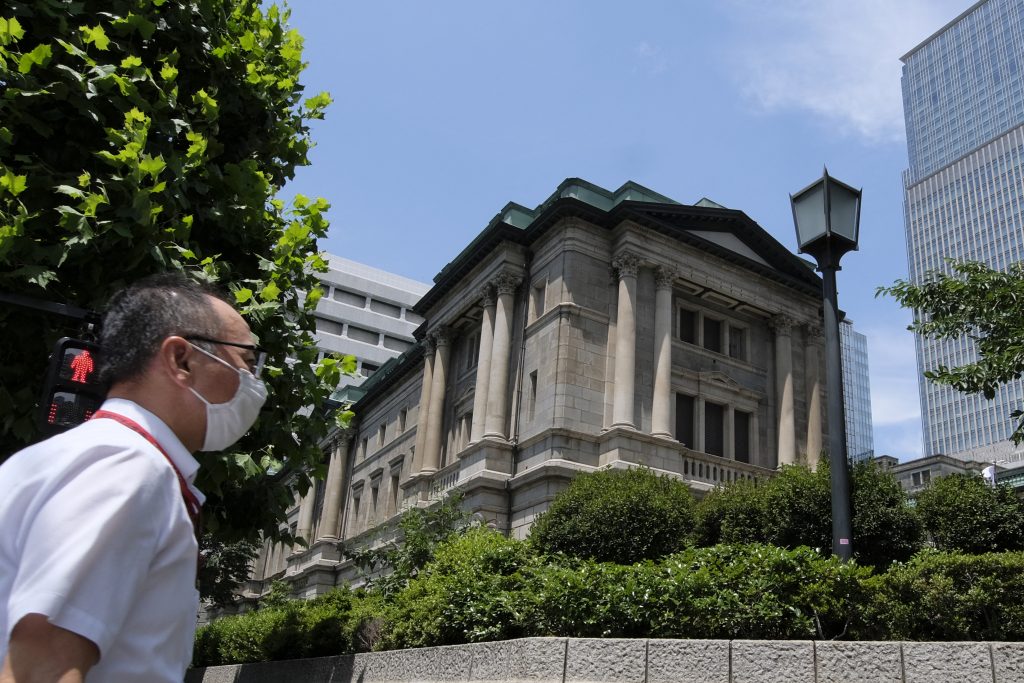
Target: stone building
[(601, 329)]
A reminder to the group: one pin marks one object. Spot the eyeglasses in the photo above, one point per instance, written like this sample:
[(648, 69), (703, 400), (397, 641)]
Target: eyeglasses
[(255, 367)]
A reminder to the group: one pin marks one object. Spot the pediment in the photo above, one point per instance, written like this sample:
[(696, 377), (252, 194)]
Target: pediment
[(731, 242)]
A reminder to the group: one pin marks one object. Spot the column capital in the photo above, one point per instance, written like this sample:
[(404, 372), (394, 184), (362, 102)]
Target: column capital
[(428, 346), (782, 324), (664, 277), (487, 295), (815, 333), (627, 264), (506, 283), (442, 336)]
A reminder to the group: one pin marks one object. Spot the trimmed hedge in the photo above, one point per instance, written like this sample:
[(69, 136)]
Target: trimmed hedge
[(482, 586), (947, 596), (331, 624)]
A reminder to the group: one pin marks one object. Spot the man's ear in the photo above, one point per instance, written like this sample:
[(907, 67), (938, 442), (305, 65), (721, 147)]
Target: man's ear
[(175, 358)]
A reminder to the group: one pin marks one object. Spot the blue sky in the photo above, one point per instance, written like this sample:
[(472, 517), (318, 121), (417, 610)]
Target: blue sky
[(446, 111)]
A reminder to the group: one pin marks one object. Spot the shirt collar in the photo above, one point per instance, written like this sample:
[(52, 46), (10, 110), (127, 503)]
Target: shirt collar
[(164, 435)]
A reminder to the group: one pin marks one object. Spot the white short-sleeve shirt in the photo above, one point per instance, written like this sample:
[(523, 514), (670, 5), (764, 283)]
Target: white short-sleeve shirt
[(95, 535)]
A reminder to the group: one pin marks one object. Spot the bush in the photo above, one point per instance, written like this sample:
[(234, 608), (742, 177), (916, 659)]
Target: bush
[(794, 509), (963, 513), (473, 591), (327, 625), (622, 516), (948, 596)]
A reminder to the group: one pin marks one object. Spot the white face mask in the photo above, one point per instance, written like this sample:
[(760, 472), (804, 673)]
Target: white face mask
[(227, 422)]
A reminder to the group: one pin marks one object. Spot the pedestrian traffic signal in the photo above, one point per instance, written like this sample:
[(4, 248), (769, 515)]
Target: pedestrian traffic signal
[(72, 392)]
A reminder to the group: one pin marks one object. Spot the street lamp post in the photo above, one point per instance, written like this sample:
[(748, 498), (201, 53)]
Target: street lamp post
[(827, 217)]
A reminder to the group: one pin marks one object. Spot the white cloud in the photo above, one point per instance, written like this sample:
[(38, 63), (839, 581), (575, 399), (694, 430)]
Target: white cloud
[(836, 59)]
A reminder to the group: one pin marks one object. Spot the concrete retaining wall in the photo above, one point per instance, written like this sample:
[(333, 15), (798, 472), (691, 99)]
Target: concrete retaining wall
[(583, 660)]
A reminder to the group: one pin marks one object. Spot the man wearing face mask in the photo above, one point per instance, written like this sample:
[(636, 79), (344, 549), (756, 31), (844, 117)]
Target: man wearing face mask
[(98, 525)]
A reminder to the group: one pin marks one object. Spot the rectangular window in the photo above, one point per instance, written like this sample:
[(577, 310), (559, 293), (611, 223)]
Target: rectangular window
[(374, 490), (362, 448), (533, 396), (688, 326), (926, 477), (384, 308), (684, 420), (713, 335), (537, 299), (402, 416), (329, 326), (714, 434), (381, 433), (350, 298), (395, 493), (737, 342), (916, 478), (741, 436), (363, 335)]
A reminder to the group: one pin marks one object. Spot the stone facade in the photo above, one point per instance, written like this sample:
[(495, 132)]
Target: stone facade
[(601, 329)]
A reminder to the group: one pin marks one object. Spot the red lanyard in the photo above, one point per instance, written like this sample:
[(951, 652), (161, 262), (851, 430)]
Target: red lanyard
[(192, 504)]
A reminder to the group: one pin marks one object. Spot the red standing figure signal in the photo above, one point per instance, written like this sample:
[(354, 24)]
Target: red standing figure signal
[(83, 366)]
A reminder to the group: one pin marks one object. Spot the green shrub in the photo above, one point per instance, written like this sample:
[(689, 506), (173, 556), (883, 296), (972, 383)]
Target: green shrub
[(756, 591), (621, 516), (327, 625), (473, 591), (948, 596), (963, 513), (588, 599), (794, 509)]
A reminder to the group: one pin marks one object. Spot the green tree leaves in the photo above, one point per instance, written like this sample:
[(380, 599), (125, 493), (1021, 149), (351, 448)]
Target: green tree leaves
[(137, 136), (983, 304)]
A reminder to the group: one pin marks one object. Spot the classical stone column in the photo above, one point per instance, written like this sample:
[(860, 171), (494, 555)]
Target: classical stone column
[(812, 355), (431, 459), (304, 529), (627, 265), (330, 521), (501, 348), (424, 406), (661, 406), (483, 365), (783, 327)]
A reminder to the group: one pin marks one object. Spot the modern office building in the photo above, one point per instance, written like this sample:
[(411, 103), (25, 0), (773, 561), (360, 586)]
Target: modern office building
[(601, 329), (367, 313), (860, 439), (963, 99)]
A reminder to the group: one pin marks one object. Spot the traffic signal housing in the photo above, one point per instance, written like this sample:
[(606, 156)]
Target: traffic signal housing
[(72, 392)]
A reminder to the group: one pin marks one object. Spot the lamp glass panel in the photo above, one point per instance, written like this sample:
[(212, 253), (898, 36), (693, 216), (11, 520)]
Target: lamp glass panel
[(843, 209), (809, 211)]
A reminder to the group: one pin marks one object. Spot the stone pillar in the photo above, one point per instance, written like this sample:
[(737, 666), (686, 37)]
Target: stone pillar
[(786, 451), (815, 341), (501, 349), (729, 433), (431, 458), (330, 521), (627, 265), (483, 365), (661, 406), (304, 529), (424, 407)]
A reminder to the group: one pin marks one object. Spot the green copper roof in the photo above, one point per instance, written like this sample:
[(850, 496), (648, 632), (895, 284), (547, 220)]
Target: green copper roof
[(577, 188)]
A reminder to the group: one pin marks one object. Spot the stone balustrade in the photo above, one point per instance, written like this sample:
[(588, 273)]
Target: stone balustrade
[(583, 660)]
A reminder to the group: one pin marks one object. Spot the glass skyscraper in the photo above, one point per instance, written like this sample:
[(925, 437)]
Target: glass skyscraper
[(963, 100), (860, 440)]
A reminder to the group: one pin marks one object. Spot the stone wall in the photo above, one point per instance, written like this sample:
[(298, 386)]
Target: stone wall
[(579, 660)]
